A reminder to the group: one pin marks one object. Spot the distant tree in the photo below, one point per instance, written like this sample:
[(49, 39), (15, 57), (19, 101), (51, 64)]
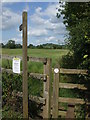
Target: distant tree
[(10, 44), (40, 46), (18, 46), (54, 46), (31, 46), (50, 46), (2, 45)]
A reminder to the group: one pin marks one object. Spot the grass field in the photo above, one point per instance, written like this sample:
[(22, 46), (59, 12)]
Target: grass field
[(55, 54)]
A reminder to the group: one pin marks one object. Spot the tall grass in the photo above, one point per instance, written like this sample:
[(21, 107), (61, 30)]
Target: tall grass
[(45, 53)]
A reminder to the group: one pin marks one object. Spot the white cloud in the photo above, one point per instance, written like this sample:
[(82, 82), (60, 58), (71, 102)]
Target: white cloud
[(36, 19), (37, 32), (10, 19), (45, 23), (17, 40), (49, 39), (38, 10), (44, 26), (51, 10), (20, 34), (52, 22)]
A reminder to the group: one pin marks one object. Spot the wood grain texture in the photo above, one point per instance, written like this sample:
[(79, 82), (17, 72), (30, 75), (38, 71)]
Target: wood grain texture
[(72, 86), (10, 57), (24, 66), (34, 59), (73, 71), (39, 76), (29, 58), (55, 94), (71, 100), (70, 111), (47, 90), (61, 113)]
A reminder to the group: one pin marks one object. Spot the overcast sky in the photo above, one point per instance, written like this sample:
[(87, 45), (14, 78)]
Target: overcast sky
[(43, 25)]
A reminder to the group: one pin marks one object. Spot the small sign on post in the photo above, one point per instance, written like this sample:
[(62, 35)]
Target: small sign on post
[(56, 70), (16, 65)]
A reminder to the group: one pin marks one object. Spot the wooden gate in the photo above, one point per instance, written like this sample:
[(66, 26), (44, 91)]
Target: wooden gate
[(71, 101), (46, 77), (47, 83)]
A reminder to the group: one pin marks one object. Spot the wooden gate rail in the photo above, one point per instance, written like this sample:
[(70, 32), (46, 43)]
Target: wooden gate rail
[(38, 76), (72, 71), (72, 86), (71, 101), (34, 59), (34, 75), (61, 113)]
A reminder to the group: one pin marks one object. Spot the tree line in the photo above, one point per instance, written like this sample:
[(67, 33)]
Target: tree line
[(12, 45)]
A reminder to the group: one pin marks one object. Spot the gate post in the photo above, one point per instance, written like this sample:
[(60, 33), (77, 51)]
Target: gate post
[(55, 92), (25, 80), (47, 89)]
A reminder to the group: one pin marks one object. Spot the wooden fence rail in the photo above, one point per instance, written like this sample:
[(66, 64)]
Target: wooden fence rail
[(72, 86), (34, 75), (33, 59), (10, 57)]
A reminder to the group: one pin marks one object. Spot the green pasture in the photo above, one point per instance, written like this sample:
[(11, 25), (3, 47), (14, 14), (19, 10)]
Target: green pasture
[(55, 54), (49, 53)]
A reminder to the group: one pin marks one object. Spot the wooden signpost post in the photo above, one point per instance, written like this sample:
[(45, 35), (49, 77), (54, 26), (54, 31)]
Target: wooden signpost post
[(23, 27)]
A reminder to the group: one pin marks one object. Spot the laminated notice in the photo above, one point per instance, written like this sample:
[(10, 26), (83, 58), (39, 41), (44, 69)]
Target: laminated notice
[(16, 65)]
